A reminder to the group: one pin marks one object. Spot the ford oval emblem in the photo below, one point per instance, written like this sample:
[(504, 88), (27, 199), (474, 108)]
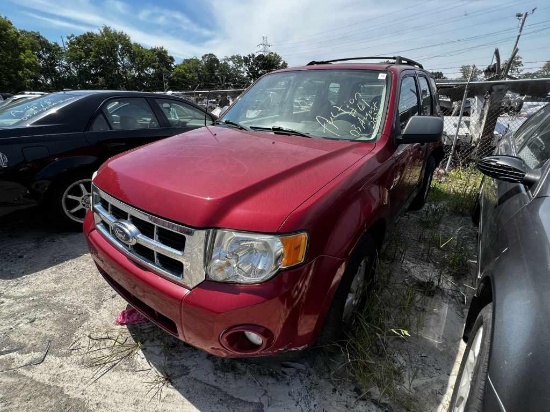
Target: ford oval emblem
[(126, 232)]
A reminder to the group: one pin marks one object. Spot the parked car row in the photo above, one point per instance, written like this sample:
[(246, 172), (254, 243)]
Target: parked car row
[(258, 234)]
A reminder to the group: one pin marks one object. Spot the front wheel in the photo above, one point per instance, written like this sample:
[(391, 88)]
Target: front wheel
[(472, 375), (70, 201), (351, 294)]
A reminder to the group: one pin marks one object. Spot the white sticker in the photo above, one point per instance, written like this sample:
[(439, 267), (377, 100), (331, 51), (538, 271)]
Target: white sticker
[(381, 76)]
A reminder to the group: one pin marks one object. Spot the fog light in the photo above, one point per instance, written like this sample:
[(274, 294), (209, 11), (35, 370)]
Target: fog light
[(254, 338)]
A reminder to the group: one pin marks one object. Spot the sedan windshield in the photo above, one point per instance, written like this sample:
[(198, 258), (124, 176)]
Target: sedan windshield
[(21, 112), (335, 104)]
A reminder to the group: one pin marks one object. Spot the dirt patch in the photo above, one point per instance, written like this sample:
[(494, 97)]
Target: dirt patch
[(60, 348)]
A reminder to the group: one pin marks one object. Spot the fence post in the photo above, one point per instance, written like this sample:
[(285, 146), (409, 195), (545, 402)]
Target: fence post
[(460, 118)]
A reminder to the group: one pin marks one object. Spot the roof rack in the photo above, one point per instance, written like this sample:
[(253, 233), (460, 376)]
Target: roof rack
[(397, 59)]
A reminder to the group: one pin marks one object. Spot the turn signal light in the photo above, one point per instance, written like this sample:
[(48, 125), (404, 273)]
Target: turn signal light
[(294, 247)]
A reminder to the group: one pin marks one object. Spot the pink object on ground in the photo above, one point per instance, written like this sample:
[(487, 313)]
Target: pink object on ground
[(130, 316)]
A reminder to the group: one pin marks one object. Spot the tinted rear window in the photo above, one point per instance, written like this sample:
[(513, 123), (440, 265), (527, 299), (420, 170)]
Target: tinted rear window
[(29, 110)]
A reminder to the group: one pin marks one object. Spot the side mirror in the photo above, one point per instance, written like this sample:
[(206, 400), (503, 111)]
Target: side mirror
[(422, 129), (509, 169)]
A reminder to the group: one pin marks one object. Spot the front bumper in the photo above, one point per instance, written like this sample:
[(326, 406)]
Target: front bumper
[(291, 306)]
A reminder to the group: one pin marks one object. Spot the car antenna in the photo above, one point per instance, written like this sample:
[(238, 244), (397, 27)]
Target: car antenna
[(206, 107), (205, 115)]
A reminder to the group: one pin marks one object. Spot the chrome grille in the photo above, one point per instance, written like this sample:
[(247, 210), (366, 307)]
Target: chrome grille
[(169, 249)]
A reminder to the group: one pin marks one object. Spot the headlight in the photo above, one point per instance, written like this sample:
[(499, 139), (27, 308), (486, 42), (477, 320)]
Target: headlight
[(253, 258)]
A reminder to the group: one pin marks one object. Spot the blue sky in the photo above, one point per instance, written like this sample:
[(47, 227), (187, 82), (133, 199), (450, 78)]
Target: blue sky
[(442, 34)]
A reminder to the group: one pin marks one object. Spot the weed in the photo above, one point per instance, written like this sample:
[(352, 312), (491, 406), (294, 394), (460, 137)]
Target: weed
[(458, 189), (161, 381), (107, 352), (416, 263)]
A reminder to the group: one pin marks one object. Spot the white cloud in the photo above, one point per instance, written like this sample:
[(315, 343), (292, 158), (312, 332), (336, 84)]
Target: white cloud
[(60, 23), (299, 30)]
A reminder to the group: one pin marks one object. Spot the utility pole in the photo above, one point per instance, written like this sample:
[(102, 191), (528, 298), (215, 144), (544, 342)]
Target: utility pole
[(523, 17), (264, 45)]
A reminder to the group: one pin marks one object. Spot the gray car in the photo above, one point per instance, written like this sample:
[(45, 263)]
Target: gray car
[(506, 364)]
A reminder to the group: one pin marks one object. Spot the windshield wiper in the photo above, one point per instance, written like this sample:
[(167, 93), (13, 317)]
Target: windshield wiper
[(282, 130), (232, 123)]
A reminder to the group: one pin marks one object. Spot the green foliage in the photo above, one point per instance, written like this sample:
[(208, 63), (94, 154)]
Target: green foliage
[(465, 72), (108, 59), (543, 72), (256, 65), (18, 64), (458, 190), (438, 75), (515, 67)]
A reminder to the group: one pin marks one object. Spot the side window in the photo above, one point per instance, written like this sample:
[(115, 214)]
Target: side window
[(130, 114), (425, 96), (536, 150), (181, 115), (100, 124), (408, 100), (531, 125)]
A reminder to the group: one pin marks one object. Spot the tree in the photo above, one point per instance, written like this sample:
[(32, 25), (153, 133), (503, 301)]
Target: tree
[(187, 74), (101, 60), (515, 67), (465, 72), (18, 64), (438, 75), (260, 64), (543, 72), (50, 72), (161, 69)]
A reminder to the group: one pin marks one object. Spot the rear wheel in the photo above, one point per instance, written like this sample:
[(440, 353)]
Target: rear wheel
[(472, 375), (420, 200), (351, 294), (70, 200)]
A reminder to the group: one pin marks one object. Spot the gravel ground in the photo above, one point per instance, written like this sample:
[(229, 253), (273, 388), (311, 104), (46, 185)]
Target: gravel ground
[(60, 349)]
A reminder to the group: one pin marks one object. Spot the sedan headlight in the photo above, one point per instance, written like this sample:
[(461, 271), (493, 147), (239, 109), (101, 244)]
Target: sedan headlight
[(252, 258)]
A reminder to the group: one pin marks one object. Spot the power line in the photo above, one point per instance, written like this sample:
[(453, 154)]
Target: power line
[(319, 44)]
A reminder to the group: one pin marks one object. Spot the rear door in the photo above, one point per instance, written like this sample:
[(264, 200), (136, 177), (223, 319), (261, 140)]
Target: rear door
[(125, 123)]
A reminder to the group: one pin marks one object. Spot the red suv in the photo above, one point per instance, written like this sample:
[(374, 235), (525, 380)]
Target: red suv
[(258, 235)]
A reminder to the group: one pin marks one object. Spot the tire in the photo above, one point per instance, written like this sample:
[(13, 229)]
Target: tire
[(471, 380), (69, 201), (363, 259), (420, 200)]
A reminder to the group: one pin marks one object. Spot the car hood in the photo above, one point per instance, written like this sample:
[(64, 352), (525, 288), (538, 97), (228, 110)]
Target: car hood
[(224, 177)]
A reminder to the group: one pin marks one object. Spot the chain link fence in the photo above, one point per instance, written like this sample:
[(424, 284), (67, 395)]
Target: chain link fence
[(473, 133)]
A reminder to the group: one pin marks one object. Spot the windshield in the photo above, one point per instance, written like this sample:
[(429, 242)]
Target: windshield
[(26, 110), (336, 104)]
